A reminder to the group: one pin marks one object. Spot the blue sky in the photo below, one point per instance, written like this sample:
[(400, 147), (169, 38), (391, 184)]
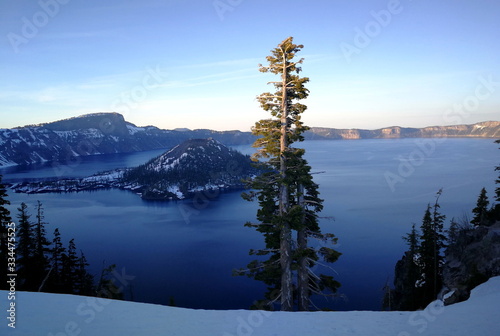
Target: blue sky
[(181, 63)]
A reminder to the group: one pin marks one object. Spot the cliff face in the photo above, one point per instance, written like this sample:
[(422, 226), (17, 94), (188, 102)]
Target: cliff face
[(471, 259), (488, 129)]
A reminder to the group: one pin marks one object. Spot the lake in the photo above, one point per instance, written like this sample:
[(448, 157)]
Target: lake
[(373, 190)]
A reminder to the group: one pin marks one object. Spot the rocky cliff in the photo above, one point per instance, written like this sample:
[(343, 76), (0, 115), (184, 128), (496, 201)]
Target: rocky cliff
[(472, 258), (488, 129)]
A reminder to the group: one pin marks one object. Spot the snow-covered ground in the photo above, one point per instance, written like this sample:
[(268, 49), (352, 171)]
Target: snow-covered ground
[(67, 315)]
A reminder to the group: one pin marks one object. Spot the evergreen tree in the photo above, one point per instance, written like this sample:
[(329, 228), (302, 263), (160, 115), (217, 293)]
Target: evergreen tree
[(40, 248), (412, 298), (55, 283), (5, 220), (70, 266), (453, 232), (25, 249), (107, 287), (287, 196), (41, 242), (84, 280), (408, 277), (481, 210), (432, 244)]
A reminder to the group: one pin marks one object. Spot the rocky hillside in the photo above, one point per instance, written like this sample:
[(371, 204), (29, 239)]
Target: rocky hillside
[(99, 133), (488, 129), (472, 258), (194, 165)]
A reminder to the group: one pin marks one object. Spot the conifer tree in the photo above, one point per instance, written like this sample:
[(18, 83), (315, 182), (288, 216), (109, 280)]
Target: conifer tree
[(41, 242), (408, 270), (481, 210), (453, 232), (70, 267), (5, 220), (431, 246), (25, 249), (107, 287), (84, 280), (286, 193), (413, 269), (55, 283), (40, 248)]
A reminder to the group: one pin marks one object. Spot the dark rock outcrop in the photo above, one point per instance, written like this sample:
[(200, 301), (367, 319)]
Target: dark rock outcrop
[(472, 259)]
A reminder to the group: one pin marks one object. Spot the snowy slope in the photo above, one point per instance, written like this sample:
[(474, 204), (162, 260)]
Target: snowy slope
[(59, 315), (93, 134)]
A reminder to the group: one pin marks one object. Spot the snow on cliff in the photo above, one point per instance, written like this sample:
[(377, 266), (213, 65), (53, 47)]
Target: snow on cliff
[(69, 315)]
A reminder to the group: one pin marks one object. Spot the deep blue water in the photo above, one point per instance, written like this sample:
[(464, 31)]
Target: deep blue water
[(373, 189)]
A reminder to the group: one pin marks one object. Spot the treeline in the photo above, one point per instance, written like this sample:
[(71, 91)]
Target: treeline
[(42, 264), (418, 276)]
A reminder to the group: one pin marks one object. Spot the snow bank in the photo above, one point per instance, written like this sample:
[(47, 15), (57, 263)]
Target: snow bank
[(68, 315)]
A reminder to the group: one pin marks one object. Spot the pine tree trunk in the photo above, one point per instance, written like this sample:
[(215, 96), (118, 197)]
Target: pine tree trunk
[(285, 235), (303, 272), (286, 272)]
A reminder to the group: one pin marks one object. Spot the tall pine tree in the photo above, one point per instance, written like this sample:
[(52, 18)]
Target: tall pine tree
[(25, 249), (40, 248), (407, 292), (55, 283), (70, 266), (84, 280), (431, 247), (481, 210), (288, 198)]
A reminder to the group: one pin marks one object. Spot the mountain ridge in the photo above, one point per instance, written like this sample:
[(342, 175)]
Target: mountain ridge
[(485, 129), (62, 142)]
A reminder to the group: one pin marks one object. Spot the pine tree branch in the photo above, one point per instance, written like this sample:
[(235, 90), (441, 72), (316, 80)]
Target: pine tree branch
[(322, 264), (45, 279)]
